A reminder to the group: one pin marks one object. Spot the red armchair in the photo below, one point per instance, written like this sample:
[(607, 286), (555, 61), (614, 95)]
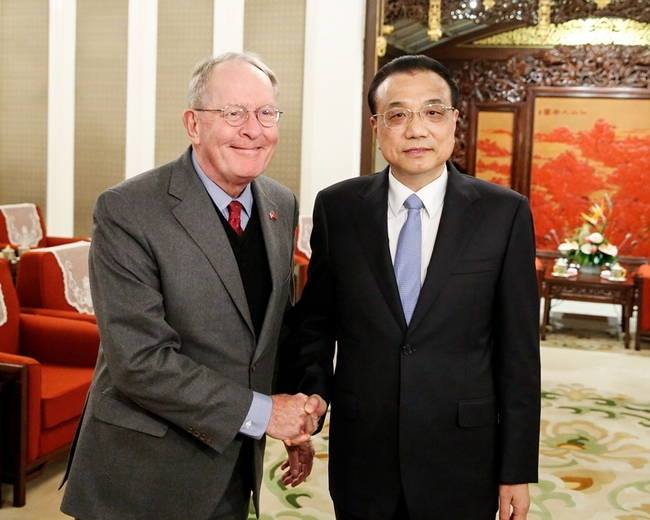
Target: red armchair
[(49, 283), (46, 366), (24, 224), (301, 262), (642, 279), (302, 253)]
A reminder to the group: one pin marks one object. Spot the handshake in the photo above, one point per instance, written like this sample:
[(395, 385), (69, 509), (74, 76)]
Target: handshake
[(295, 417)]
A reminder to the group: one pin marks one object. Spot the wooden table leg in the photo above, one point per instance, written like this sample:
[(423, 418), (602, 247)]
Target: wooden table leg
[(626, 324), (14, 400)]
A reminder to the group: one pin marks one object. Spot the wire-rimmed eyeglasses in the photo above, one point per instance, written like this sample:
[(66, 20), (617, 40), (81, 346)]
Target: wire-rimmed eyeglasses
[(399, 116), (237, 115)]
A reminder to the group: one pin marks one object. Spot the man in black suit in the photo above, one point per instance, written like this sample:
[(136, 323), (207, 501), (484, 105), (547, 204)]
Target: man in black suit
[(436, 393)]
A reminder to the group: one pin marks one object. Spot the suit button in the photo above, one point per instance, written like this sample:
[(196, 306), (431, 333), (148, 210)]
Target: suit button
[(407, 350), (253, 368)]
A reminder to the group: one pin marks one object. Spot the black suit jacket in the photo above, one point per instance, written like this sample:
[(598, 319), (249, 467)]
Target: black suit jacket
[(448, 407)]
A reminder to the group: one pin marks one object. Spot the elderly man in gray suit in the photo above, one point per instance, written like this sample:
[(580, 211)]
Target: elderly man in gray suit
[(191, 272)]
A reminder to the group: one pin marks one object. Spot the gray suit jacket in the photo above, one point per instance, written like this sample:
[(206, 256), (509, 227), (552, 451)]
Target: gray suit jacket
[(179, 359)]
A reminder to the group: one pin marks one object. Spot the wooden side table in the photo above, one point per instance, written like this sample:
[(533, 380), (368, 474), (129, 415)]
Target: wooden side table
[(588, 288)]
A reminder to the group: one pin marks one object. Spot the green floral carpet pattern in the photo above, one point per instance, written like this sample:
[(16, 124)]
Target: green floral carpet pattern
[(594, 455), (308, 501)]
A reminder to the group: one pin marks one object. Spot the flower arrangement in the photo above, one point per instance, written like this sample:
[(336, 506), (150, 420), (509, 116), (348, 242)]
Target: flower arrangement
[(589, 247)]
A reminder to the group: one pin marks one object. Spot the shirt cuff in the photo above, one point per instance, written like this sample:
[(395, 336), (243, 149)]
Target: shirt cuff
[(259, 415)]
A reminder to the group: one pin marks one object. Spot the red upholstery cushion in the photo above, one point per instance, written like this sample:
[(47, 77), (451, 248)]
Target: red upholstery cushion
[(57, 341), (644, 319), (56, 313), (64, 392), (40, 282), (53, 438), (41, 288)]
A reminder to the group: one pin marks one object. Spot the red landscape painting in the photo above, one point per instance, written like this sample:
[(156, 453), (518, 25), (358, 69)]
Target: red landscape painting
[(494, 147), (584, 149)]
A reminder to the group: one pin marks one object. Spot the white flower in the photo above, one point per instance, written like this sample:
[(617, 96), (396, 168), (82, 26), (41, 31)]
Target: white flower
[(595, 238), (568, 246), (588, 249), (608, 249)]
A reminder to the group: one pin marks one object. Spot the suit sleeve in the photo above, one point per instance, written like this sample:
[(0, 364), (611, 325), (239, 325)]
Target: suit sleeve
[(517, 357)]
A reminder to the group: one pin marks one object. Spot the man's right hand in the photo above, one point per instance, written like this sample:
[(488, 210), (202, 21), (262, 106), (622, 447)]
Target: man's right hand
[(295, 417)]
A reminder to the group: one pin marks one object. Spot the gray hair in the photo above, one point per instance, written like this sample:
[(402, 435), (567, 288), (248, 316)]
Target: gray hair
[(200, 81)]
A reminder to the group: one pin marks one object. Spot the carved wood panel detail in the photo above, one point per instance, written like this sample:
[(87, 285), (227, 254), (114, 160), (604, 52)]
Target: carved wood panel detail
[(507, 80), (521, 10)]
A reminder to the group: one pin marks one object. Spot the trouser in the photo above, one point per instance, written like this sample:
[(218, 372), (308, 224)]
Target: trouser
[(234, 503), (401, 513)]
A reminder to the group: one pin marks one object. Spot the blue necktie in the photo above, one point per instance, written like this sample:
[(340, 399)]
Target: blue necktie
[(409, 256)]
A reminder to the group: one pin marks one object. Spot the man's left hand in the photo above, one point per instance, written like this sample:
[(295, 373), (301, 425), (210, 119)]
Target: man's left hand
[(517, 496), (299, 463)]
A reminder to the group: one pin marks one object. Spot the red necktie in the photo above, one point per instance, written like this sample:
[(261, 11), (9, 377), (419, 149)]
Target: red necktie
[(234, 216)]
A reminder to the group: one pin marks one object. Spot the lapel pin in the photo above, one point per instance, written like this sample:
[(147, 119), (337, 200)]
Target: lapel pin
[(273, 215)]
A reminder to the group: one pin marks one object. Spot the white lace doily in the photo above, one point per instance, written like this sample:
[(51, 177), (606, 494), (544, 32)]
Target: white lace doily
[(73, 261), (3, 308), (23, 224), (304, 233)]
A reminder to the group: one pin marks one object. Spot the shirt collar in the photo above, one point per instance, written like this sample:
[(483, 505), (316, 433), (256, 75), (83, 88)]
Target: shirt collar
[(431, 195), (220, 198)]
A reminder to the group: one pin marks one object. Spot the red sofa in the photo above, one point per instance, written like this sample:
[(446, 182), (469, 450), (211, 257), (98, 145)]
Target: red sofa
[(46, 366)]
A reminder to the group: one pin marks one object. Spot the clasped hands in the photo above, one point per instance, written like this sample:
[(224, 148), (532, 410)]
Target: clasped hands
[(293, 419)]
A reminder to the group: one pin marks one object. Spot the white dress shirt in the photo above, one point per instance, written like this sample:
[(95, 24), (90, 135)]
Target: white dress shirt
[(432, 196)]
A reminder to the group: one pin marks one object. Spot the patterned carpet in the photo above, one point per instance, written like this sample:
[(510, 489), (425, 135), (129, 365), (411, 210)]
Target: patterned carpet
[(594, 444), (594, 455), (594, 441)]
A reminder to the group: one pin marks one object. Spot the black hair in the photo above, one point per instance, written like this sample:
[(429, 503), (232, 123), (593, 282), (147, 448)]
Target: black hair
[(411, 64)]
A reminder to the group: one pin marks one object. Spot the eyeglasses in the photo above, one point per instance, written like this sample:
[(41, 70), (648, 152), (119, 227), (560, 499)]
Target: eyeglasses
[(237, 115), (398, 117)]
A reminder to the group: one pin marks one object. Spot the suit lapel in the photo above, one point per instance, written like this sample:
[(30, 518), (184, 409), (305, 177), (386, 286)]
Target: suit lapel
[(370, 220), (458, 218), (268, 213), (197, 214)]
